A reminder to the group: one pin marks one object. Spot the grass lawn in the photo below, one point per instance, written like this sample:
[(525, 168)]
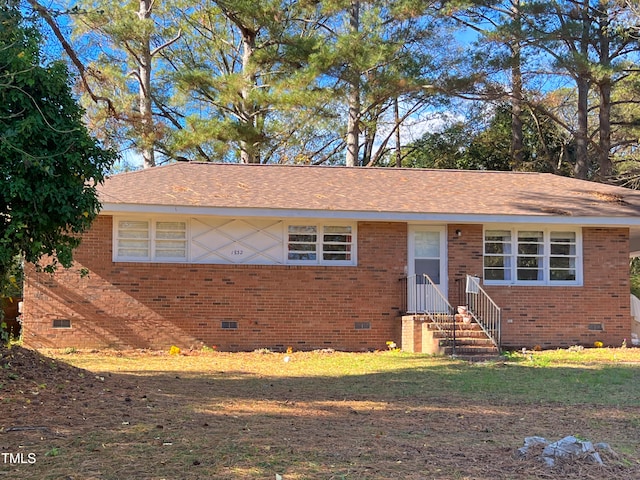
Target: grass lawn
[(312, 415)]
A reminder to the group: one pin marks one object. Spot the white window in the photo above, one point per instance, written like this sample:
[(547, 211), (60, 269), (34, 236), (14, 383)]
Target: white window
[(150, 240), (303, 243), (170, 240), (532, 256), (321, 244), (563, 260), (497, 255), (132, 239), (336, 243)]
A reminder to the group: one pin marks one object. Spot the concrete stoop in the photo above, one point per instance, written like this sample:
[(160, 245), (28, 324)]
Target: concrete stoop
[(421, 335)]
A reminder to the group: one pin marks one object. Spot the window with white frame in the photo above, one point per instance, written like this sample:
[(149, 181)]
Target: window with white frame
[(170, 240), (336, 243), (303, 243), (132, 239), (150, 240), (320, 244), (532, 256)]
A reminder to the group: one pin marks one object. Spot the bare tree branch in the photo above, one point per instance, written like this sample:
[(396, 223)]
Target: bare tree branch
[(82, 70), (166, 44)]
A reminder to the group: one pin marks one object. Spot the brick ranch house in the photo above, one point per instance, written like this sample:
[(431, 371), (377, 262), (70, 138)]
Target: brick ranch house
[(272, 256)]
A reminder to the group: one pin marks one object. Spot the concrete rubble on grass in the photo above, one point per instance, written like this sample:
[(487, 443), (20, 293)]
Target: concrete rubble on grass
[(570, 448)]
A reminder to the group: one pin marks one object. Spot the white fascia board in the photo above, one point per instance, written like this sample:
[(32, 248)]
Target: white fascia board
[(356, 215)]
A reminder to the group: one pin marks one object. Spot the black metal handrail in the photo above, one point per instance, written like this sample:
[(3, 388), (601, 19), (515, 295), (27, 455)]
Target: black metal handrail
[(422, 297)]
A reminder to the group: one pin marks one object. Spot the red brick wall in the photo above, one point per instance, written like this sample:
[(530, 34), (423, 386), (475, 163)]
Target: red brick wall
[(152, 305), (465, 257), (146, 305), (557, 316)]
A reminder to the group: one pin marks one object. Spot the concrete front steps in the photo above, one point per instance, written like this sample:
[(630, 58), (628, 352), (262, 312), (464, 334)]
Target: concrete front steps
[(421, 335)]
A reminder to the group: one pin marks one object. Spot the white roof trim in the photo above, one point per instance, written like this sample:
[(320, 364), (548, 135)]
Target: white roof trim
[(114, 209)]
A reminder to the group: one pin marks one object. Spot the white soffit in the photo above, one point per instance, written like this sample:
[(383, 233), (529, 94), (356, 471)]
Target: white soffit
[(355, 215)]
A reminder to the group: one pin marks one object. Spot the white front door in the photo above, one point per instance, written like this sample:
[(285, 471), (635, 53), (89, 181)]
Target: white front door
[(427, 255)]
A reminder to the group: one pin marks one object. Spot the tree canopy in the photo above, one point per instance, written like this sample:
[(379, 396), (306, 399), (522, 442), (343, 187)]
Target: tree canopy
[(236, 80), (352, 81), (49, 164), (470, 145)]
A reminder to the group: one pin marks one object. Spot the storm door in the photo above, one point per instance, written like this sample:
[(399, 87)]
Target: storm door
[(427, 255)]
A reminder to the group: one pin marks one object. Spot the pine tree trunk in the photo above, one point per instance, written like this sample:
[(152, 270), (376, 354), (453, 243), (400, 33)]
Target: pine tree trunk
[(353, 123), (144, 96), (581, 168), (396, 115), (604, 159), (248, 150), (517, 146), (604, 114)]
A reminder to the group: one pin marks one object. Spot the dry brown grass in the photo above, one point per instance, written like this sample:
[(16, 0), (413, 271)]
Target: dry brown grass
[(146, 415)]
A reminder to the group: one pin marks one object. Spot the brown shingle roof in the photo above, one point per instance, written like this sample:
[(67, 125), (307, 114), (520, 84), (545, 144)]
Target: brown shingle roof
[(390, 190)]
